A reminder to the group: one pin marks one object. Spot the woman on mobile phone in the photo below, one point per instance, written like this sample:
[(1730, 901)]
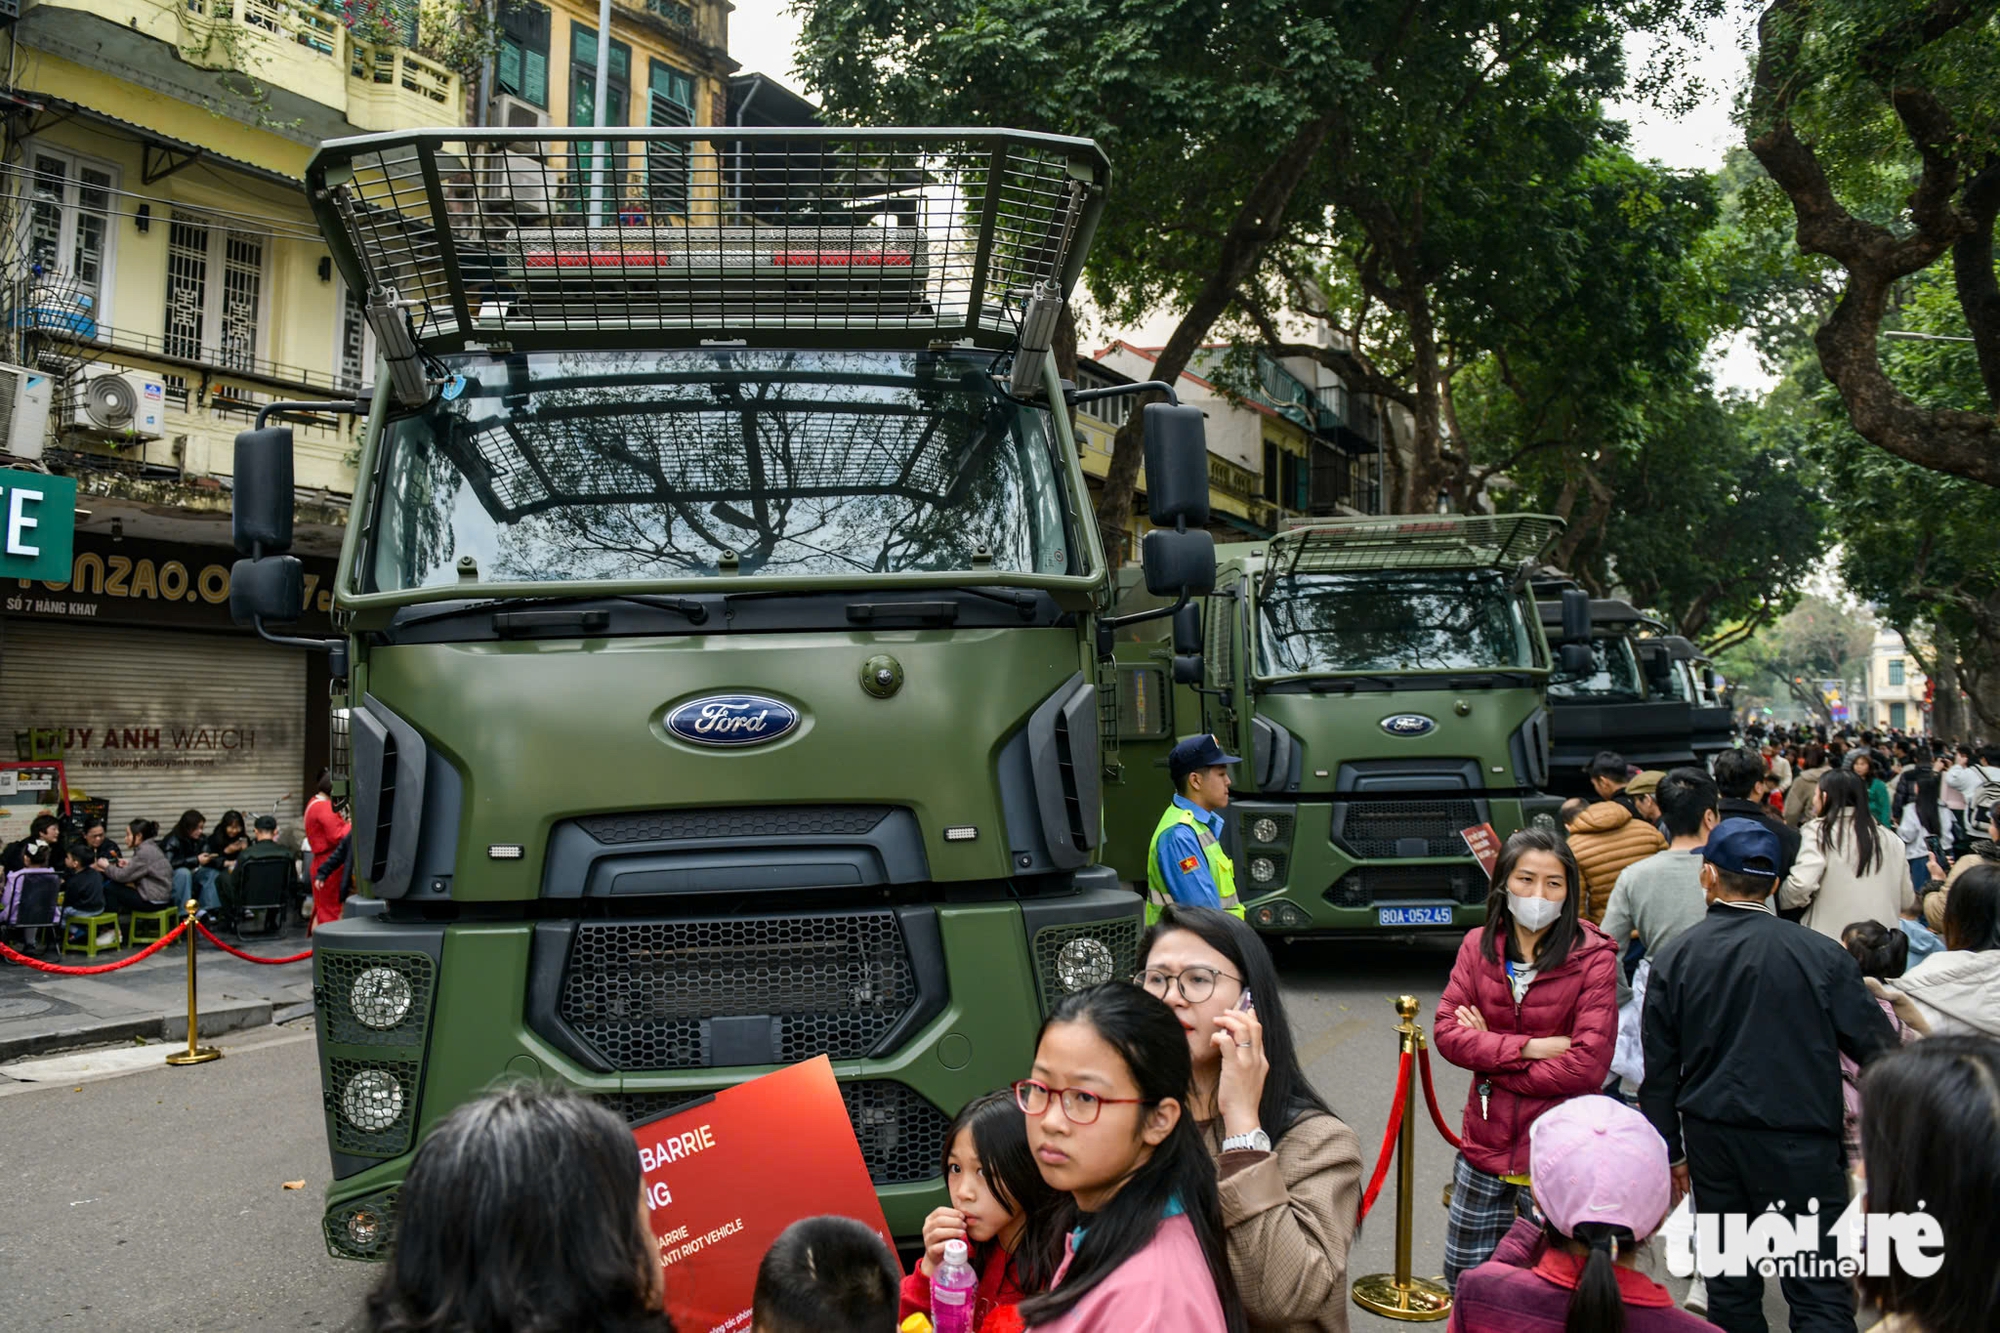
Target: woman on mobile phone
[(1289, 1169), (1532, 1010)]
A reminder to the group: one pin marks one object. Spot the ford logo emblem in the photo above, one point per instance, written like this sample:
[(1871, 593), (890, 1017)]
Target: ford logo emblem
[(1408, 724), (732, 720)]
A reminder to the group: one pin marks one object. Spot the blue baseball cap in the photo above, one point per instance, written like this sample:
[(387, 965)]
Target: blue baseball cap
[(1194, 753), (1743, 847)]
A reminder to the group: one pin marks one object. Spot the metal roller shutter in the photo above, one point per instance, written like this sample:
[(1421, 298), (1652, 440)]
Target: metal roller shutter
[(157, 721)]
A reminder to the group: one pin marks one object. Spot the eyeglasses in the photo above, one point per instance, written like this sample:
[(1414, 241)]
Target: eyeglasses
[(1078, 1106), (1196, 983)]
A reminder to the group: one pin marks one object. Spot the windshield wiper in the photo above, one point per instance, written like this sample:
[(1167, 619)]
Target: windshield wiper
[(695, 611), (1349, 684)]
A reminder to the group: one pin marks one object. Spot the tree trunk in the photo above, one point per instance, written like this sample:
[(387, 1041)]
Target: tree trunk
[(1948, 712), (1259, 222)]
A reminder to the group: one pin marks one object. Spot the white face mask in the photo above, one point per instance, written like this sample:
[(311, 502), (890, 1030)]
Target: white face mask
[(1533, 913)]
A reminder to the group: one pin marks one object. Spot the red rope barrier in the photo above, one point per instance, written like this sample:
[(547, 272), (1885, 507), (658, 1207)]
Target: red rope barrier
[(250, 957), (1389, 1139), (1431, 1098), (60, 970)]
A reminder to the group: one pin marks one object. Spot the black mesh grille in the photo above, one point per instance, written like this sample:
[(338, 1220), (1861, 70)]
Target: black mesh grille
[(901, 1133), (362, 1229), (643, 994), (372, 1104), (1086, 965), (1375, 828), (768, 821), (1367, 885), (392, 980)]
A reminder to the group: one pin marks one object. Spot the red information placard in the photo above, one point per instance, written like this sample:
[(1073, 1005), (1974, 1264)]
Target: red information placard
[(1484, 844), (725, 1176)]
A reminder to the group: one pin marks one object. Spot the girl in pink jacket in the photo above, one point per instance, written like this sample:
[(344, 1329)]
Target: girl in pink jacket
[(1108, 1124), (1532, 1010)]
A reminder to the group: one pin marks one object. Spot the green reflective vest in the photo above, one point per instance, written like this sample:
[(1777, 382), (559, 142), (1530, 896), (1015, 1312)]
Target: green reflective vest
[(1220, 867)]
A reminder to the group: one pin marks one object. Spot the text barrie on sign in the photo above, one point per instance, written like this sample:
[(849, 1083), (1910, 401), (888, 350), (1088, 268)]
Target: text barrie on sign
[(37, 525)]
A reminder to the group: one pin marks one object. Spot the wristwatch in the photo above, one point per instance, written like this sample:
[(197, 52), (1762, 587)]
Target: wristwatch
[(1255, 1141)]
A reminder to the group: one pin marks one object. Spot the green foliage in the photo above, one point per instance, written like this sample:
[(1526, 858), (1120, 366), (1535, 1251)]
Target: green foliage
[(1816, 640)]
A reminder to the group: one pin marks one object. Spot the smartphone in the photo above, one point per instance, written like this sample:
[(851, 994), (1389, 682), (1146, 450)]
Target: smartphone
[(1248, 1004)]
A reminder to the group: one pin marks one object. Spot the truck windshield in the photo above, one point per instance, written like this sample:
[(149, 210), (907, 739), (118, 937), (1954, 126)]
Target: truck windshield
[(562, 466), (1614, 674), (1453, 620)]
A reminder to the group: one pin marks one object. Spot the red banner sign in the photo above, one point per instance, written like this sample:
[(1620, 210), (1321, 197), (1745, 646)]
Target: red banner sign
[(725, 1176), (1484, 844)]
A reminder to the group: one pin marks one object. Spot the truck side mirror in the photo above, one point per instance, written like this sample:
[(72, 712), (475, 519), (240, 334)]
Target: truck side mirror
[(1659, 666), (1576, 616), (1708, 679), (1176, 466), (1187, 630), (1177, 563), (1576, 659), (1189, 668), (272, 589), (261, 504)]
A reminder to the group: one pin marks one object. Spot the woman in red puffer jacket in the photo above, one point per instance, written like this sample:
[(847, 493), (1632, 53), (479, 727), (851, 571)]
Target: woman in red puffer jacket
[(1532, 1010)]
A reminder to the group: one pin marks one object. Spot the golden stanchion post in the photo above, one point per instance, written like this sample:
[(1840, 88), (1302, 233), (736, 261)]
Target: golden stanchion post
[(193, 1055), (1398, 1295)]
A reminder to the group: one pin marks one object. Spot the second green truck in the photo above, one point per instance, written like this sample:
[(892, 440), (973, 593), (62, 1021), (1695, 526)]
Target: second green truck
[(1384, 680)]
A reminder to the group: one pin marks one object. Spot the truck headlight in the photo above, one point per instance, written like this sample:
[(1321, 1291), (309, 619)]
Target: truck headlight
[(1264, 829), (380, 998), (1084, 962), (1263, 869), (372, 1100)]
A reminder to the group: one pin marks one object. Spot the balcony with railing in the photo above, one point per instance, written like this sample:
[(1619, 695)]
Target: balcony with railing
[(362, 67)]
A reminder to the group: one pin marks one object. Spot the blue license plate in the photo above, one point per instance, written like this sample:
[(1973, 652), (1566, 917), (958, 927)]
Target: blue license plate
[(1413, 916)]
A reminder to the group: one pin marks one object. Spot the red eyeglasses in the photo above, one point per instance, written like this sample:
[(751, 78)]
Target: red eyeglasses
[(1079, 1106)]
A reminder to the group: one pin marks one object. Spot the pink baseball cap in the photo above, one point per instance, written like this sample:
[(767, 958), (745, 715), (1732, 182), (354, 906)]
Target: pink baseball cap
[(1595, 1159)]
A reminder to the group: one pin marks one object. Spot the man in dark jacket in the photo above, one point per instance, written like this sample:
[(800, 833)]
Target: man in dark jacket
[(1746, 1018), (264, 847), (1737, 775)]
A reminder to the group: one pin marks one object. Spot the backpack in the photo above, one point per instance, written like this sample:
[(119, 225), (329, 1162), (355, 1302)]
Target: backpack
[(30, 898), (1979, 805)]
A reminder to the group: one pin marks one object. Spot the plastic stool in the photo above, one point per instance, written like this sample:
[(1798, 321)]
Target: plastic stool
[(161, 922), (90, 925)]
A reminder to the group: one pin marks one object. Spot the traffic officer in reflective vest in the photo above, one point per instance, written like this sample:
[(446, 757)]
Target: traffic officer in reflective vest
[(1186, 863)]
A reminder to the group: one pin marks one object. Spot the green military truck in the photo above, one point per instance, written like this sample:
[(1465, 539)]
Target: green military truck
[(721, 601), (1623, 693), (1383, 679)]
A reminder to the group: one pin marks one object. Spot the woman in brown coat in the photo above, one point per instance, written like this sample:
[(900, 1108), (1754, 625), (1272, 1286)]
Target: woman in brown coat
[(1290, 1169)]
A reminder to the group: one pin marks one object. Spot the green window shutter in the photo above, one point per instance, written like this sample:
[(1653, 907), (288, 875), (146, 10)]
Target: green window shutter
[(509, 73), (535, 77)]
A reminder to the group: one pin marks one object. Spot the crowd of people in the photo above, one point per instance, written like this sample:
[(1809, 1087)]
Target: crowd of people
[(1166, 1162), (70, 870)]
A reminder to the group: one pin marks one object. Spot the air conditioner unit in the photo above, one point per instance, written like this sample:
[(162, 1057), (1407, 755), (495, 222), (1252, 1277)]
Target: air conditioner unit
[(515, 183), (129, 404), (25, 398), (511, 113)]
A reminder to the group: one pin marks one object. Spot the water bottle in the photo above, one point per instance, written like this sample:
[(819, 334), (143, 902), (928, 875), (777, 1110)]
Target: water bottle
[(952, 1288)]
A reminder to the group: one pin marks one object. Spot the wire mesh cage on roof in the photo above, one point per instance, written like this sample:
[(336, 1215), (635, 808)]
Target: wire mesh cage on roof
[(1446, 542), (888, 237)]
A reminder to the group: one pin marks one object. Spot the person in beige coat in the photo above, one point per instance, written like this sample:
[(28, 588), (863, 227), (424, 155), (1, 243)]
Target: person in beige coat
[(1604, 838), (1289, 1169), (1802, 797), (1849, 868)]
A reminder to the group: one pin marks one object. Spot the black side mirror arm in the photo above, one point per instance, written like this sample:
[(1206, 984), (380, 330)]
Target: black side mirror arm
[(1108, 626), (336, 649)]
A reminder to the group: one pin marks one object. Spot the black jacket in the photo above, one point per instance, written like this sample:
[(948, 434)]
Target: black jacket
[(84, 891), (184, 853), (1746, 1019), (1736, 807)]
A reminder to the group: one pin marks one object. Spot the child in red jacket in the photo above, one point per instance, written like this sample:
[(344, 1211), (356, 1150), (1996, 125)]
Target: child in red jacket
[(1532, 1010), (996, 1190)]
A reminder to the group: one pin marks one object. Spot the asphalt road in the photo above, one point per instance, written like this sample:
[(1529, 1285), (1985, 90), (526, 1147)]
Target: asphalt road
[(156, 1200)]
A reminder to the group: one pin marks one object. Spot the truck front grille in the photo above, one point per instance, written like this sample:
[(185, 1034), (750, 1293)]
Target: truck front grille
[(1376, 830), (648, 994), (1366, 886), (901, 1133)]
